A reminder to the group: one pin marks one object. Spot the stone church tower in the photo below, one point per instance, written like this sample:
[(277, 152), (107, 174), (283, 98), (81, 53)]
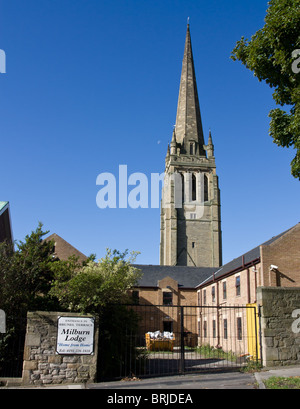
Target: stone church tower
[(190, 210)]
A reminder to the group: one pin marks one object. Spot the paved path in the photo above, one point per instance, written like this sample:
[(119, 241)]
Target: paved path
[(217, 380), (285, 371), (226, 380)]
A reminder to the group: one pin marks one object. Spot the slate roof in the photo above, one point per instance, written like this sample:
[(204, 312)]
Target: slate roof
[(193, 277), (187, 277), (249, 258)]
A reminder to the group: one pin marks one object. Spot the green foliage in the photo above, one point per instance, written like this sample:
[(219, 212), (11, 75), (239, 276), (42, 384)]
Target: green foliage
[(209, 351), (275, 382), (269, 55), (90, 288), (119, 339), (25, 281), (94, 288), (32, 278), (252, 366), (26, 274)]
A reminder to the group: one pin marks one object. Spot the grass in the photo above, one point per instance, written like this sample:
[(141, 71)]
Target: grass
[(252, 366), (208, 351), (277, 382)]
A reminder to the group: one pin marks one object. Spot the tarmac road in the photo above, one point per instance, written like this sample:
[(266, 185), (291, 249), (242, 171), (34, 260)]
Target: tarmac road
[(216, 380), (225, 380)]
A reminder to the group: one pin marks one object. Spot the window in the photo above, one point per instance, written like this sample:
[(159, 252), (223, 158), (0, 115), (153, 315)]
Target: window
[(192, 215), (182, 188), (135, 297), (204, 297), (194, 188), (206, 198), (224, 290), (225, 328), (193, 244), (167, 298), (168, 326), (214, 329), (192, 149), (213, 294), (239, 328), (237, 285), (205, 329)]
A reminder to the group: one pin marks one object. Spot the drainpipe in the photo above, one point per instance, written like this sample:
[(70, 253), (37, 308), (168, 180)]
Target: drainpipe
[(248, 286)]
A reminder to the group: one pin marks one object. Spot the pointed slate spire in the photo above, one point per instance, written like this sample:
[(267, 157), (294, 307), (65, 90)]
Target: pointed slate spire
[(188, 121)]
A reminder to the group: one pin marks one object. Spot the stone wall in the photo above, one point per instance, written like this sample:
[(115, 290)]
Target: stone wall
[(42, 365), (280, 325)]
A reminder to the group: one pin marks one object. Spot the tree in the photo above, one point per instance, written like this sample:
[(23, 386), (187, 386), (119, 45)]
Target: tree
[(32, 278), (25, 281), (26, 274), (92, 287), (271, 54), (101, 288)]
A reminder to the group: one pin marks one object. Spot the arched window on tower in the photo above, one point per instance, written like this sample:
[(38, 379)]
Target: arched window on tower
[(182, 187), (192, 150), (206, 198), (194, 187)]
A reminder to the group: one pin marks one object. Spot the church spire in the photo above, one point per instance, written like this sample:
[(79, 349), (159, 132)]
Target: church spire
[(190, 232), (188, 121)]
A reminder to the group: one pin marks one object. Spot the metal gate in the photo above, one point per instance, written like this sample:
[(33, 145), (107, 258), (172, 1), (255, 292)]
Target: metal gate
[(157, 340), (12, 347)]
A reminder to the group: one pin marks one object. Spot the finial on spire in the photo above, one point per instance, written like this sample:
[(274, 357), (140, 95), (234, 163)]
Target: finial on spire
[(188, 21)]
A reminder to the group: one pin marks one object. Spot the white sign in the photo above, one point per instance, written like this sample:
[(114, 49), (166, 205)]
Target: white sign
[(75, 336)]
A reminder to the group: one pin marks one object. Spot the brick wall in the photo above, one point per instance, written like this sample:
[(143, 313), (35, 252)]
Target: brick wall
[(285, 254), (153, 318), (249, 279)]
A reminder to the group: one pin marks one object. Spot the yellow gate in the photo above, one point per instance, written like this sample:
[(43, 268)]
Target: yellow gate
[(253, 332)]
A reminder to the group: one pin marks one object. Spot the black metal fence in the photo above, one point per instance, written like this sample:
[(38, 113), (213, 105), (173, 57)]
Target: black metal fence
[(157, 340), (12, 347), (167, 340)]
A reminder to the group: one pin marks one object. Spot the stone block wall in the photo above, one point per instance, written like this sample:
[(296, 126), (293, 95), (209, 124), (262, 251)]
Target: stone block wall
[(280, 325), (42, 365)]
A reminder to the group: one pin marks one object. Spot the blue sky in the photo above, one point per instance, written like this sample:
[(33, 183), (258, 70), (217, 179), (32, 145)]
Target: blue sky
[(93, 84)]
